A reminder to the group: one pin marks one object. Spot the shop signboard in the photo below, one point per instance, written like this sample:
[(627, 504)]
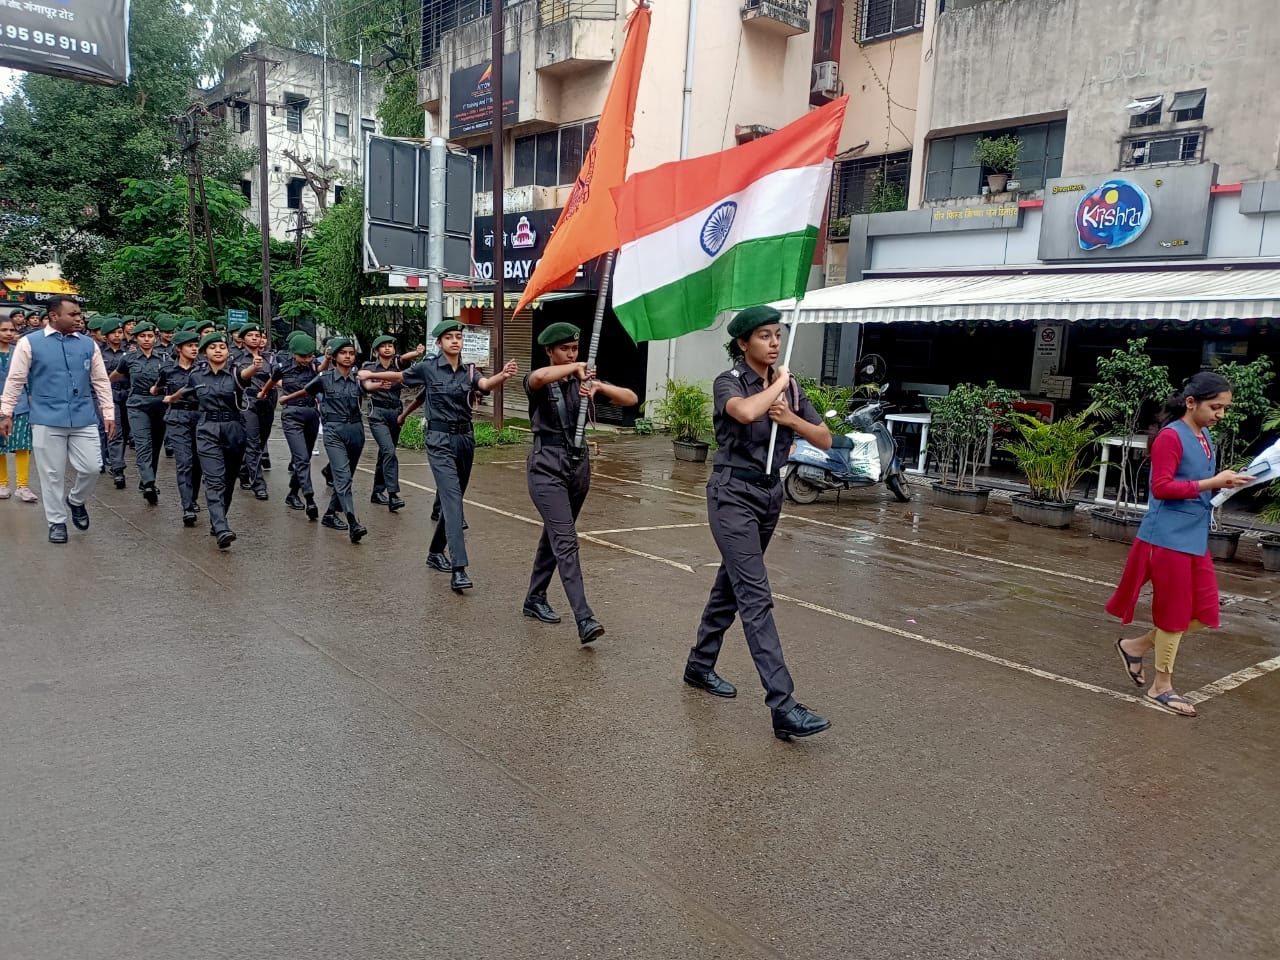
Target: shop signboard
[(524, 240), (471, 96), (1154, 214), (475, 346), (85, 40)]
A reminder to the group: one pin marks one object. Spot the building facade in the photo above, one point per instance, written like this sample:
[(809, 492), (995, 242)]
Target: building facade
[(318, 111)]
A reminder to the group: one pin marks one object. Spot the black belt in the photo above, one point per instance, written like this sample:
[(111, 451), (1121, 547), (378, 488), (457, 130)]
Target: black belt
[(385, 406), (223, 417), (747, 475), (444, 426), (549, 439), (301, 404), (342, 420), (195, 408)]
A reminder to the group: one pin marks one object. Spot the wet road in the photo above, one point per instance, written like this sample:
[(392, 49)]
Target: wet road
[(305, 749)]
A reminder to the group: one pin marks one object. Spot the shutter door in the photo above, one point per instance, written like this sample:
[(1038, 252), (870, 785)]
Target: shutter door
[(517, 335)]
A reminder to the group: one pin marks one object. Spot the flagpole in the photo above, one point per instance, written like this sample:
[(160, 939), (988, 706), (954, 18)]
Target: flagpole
[(602, 297), (786, 362)]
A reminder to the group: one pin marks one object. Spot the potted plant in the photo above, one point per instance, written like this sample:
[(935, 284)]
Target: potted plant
[(1231, 435), (1128, 382), (962, 423), (1053, 457), (686, 411), (1000, 155)]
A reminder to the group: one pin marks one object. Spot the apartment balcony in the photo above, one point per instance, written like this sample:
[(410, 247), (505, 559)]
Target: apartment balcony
[(782, 18), (574, 35)]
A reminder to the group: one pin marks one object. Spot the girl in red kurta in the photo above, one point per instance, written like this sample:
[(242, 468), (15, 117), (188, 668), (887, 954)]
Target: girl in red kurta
[(1172, 546)]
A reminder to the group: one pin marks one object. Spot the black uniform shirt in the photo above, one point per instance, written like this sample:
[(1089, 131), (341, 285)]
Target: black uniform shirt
[(448, 391), (141, 372), (174, 378), (544, 413), (111, 360), (245, 359), (294, 376), (218, 393), (389, 396), (746, 445), (339, 395)]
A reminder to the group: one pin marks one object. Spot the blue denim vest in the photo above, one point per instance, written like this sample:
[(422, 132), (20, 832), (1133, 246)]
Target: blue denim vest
[(1183, 525), (61, 391), (23, 405)]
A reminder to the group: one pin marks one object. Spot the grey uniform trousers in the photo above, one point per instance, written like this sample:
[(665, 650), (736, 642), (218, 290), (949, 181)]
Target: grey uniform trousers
[(258, 420), (220, 444), (451, 456), (558, 488), (301, 426), (386, 434), (343, 443), (743, 516), (146, 424), (114, 458), (181, 434)]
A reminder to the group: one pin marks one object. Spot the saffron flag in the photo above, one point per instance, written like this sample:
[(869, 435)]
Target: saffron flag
[(732, 229), (586, 227)]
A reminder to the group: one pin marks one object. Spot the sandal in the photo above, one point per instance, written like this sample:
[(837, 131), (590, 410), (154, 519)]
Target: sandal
[(1169, 698), (1138, 678)]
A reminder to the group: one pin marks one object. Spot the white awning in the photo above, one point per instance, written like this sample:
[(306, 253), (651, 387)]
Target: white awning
[(1080, 295)]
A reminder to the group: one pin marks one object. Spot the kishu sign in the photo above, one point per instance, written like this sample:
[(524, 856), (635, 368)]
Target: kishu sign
[(1155, 214), (86, 40)]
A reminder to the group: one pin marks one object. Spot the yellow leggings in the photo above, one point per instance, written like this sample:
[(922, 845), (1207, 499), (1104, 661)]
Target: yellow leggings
[(1167, 645), (21, 459)]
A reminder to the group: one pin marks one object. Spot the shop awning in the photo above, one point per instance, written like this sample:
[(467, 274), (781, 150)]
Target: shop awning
[(454, 302), (41, 286), (1081, 295)]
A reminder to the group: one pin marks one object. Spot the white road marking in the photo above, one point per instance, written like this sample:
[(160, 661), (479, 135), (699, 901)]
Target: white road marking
[(1233, 680), (665, 526)]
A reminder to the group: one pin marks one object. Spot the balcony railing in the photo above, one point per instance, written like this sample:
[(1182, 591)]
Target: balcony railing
[(556, 11), (786, 18)]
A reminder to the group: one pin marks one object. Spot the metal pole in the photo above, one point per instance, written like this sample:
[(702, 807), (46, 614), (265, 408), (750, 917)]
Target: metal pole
[(264, 211), (435, 231), (208, 234), (786, 362), (360, 109), (602, 296), (324, 91), (686, 121), (499, 253)]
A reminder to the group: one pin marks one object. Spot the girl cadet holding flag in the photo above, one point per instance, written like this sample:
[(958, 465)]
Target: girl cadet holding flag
[(560, 476), (220, 438), (451, 389), (743, 503)]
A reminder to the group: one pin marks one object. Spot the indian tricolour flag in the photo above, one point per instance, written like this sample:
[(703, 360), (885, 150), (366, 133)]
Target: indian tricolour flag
[(728, 230)]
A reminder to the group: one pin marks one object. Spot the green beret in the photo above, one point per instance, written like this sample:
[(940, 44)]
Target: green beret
[(337, 343), (111, 324), (94, 324), (128, 318), (750, 318), (301, 345), (446, 326), (248, 328), (557, 334), (165, 323), (203, 325), (144, 327), (185, 336), (380, 341), (209, 338)]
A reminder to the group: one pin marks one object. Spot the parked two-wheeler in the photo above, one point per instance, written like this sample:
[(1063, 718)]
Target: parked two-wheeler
[(863, 453)]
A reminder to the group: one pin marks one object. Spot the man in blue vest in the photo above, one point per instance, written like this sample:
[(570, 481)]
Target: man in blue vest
[(64, 374)]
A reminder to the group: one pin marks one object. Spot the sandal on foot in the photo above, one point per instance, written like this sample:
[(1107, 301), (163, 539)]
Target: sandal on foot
[(1169, 698), (1138, 678)]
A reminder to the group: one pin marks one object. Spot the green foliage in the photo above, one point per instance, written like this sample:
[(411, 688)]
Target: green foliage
[(1271, 511), (838, 227), (1128, 382), (1054, 456), (1249, 383), (398, 110), (686, 411), (412, 436), (826, 398), (335, 256), (886, 197), (1000, 154), (643, 426), (962, 421)]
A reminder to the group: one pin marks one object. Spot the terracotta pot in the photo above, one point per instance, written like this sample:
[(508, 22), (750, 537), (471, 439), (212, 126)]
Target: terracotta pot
[(997, 182), (1109, 525), (1044, 513), (693, 452), (963, 499), (1223, 544), (1271, 555)]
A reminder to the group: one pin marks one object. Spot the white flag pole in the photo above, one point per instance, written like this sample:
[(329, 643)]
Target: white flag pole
[(786, 362)]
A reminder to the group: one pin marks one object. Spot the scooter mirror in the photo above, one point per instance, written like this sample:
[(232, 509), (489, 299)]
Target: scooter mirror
[(831, 413)]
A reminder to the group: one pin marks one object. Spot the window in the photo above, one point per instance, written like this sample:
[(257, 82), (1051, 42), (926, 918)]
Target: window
[(246, 189), (294, 104), (342, 126), (866, 184), (294, 192), (367, 125), (552, 159), (952, 171), (1151, 109), (338, 191), (242, 117), (1188, 105), (484, 167), (886, 18), (1154, 151), (826, 33)]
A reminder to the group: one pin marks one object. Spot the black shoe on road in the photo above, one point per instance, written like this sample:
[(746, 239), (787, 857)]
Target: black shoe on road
[(57, 533), (394, 502), (438, 561), (379, 497), (294, 502), (333, 522), (355, 530), (327, 472), (709, 681), (799, 721), (261, 494), (118, 480), (188, 518), (225, 539), (151, 494), (590, 629), (313, 512), (539, 609), (266, 462), (79, 515), (460, 581)]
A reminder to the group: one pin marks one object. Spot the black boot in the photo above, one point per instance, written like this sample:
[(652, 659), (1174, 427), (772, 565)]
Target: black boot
[(379, 497), (799, 721), (394, 502), (150, 493), (590, 629), (118, 480), (313, 512), (225, 539), (333, 522), (188, 518), (293, 501), (460, 581), (354, 529), (539, 609), (438, 561)]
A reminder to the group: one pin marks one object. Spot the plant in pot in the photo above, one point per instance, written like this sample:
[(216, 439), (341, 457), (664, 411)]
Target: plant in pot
[(1000, 155), (686, 411), (1128, 384), (1054, 457), (1234, 434), (961, 424)]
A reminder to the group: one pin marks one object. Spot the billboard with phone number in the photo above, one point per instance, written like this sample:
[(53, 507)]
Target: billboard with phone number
[(86, 40)]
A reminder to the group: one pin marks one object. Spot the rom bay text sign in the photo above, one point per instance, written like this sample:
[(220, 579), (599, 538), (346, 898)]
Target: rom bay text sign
[(86, 40)]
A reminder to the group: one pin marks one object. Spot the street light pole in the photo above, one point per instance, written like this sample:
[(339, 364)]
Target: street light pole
[(499, 253)]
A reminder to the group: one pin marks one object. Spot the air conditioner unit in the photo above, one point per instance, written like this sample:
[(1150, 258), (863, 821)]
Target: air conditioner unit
[(826, 78)]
